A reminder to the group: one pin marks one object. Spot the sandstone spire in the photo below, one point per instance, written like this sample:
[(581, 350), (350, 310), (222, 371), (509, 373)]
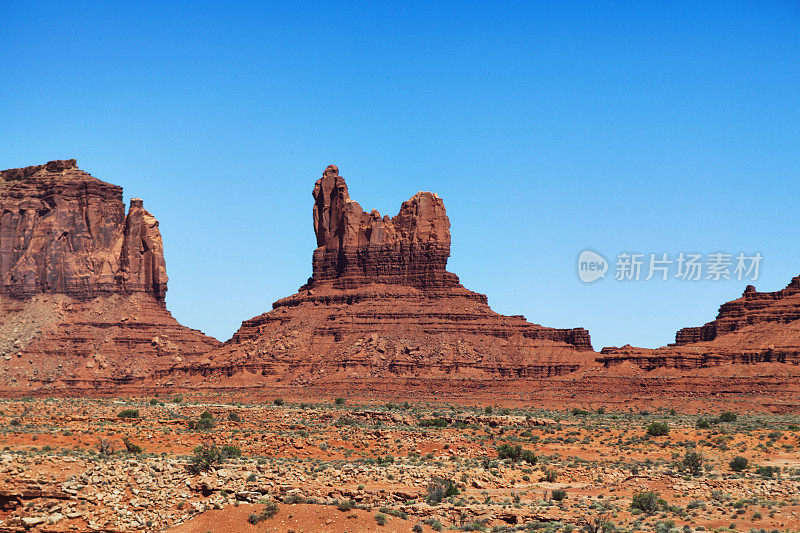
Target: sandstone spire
[(355, 247)]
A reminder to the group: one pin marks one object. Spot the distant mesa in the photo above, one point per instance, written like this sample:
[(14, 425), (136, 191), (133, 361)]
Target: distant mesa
[(752, 308), (758, 327), (82, 285)]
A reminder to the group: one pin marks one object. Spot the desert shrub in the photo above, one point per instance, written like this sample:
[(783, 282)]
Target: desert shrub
[(339, 401), (719, 496), (601, 410), (434, 422), (177, 399), (153, 401), (580, 412), (393, 512), (472, 526), (728, 416), (510, 451), (648, 501), (739, 464), (270, 509), (435, 524), (278, 401), (417, 528), (529, 457), (293, 498), (233, 416), (488, 410), (230, 452), (559, 495), (344, 421), (516, 453), (205, 415), (693, 462), (16, 422), (205, 456), (740, 504), (550, 475), (105, 447), (131, 447), (380, 519), (702, 423), (345, 505), (664, 526), (128, 413), (767, 471), (440, 488), (202, 423), (383, 461), (252, 477), (658, 429)]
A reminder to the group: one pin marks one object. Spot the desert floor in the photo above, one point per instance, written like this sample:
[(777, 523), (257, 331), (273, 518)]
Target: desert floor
[(183, 465)]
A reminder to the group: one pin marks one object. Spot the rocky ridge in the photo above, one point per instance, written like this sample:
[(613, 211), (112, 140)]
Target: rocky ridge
[(752, 307), (756, 328)]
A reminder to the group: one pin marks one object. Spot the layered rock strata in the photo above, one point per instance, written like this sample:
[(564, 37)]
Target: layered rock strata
[(355, 247), (758, 327), (752, 307), (82, 283), (64, 231), (381, 305), (60, 344)]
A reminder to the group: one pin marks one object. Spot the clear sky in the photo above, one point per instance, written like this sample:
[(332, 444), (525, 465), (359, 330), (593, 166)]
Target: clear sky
[(547, 127)]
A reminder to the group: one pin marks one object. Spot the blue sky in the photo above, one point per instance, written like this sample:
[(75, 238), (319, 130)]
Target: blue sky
[(547, 127)]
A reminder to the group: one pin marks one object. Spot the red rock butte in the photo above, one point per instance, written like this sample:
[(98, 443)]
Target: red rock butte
[(63, 231), (82, 311), (382, 312), (757, 328), (82, 285)]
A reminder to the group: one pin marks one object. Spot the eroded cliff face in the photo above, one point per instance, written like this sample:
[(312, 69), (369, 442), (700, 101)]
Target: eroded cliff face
[(758, 327), (82, 286), (63, 231), (381, 312), (752, 307), (356, 248)]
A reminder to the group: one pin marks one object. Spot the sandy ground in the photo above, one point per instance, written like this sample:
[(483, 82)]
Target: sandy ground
[(332, 467)]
